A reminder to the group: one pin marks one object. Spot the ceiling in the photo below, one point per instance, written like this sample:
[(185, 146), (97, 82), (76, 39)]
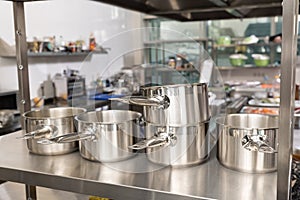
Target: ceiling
[(199, 10)]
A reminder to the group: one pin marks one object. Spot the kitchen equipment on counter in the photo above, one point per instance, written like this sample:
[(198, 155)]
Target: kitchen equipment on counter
[(69, 85), (10, 121), (9, 114), (48, 123), (104, 136), (48, 91), (173, 105), (6, 118), (236, 105), (237, 59), (176, 146), (261, 60), (8, 99), (248, 142), (177, 119)]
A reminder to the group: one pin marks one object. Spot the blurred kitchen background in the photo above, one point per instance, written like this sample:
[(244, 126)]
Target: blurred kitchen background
[(91, 48)]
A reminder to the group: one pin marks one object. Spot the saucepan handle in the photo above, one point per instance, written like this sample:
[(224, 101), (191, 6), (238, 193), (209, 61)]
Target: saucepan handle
[(46, 131), (257, 142), (75, 137), (70, 137), (162, 102), (157, 140)]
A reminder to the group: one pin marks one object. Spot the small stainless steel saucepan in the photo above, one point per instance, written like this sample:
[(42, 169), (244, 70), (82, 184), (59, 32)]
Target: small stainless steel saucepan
[(104, 136), (173, 105), (176, 146), (248, 142), (49, 123)]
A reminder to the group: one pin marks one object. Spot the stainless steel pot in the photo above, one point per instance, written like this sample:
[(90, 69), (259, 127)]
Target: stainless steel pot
[(176, 146), (105, 135), (48, 123), (174, 105), (248, 142)]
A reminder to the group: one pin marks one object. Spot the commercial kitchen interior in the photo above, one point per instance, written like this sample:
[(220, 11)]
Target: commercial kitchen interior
[(133, 49)]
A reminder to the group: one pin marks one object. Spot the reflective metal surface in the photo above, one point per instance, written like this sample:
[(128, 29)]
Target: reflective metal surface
[(188, 104), (61, 118), (114, 131), (22, 60), (190, 147), (253, 156), (70, 172), (290, 11)]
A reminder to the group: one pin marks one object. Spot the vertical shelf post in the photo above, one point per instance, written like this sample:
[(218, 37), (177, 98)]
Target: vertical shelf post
[(22, 68), (287, 97), (22, 60)]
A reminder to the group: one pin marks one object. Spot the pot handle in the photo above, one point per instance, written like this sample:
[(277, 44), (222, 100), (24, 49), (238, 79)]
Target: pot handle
[(46, 131), (67, 138), (89, 133), (257, 142), (162, 102), (159, 139)]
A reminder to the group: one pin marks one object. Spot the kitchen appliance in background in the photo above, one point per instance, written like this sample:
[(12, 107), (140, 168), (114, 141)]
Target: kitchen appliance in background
[(9, 114), (69, 84), (8, 99), (48, 91)]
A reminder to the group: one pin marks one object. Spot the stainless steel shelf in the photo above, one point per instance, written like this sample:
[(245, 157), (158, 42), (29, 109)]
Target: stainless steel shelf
[(72, 173), (247, 67), (57, 54)]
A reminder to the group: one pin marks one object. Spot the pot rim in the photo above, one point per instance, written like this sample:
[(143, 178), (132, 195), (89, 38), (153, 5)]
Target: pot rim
[(72, 114), (138, 116), (221, 121)]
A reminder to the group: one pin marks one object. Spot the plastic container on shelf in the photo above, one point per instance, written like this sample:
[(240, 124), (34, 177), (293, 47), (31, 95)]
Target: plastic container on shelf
[(261, 60), (237, 59)]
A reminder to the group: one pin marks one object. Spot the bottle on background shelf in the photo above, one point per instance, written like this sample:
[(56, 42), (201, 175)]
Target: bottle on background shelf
[(92, 45)]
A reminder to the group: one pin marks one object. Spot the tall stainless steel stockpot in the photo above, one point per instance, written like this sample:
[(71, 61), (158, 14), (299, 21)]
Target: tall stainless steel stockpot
[(104, 136), (47, 123), (176, 146), (173, 105), (248, 142)]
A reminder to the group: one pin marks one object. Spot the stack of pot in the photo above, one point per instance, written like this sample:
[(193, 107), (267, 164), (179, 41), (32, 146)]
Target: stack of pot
[(177, 119)]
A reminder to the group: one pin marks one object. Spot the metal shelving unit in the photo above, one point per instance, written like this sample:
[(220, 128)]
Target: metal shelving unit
[(71, 172), (11, 170)]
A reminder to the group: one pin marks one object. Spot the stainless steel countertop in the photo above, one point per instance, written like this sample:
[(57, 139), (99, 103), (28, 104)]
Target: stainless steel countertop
[(71, 172)]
